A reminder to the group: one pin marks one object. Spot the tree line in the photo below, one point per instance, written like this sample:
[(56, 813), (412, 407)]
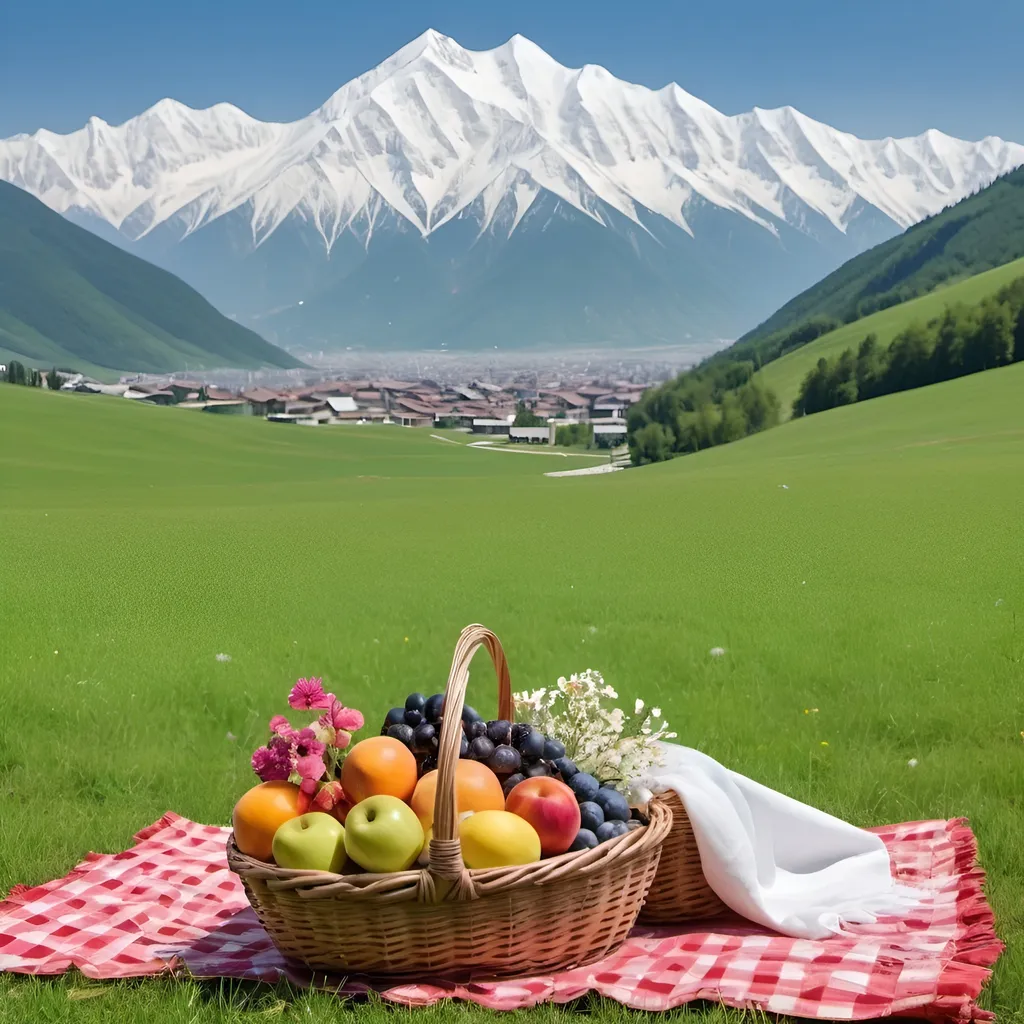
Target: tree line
[(18, 373), (963, 340), (710, 405)]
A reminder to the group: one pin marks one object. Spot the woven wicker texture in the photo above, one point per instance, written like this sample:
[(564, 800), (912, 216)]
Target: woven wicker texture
[(552, 915), (680, 892)]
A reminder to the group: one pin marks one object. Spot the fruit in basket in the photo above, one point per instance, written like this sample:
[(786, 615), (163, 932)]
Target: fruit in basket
[(551, 808), (432, 708), (613, 803), (585, 840), (481, 748), (511, 782), (530, 745), (585, 786), (495, 839), (379, 766), (591, 815), (396, 716), (472, 715), (611, 830), (474, 730), (310, 842), (504, 760), (566, 767), (260, 813), (476, 789), (403, 733), (412, 718), (463, 746), (424, 738), (499, 732), (415, 702), (383, 834), (553, 749), (540, 770)]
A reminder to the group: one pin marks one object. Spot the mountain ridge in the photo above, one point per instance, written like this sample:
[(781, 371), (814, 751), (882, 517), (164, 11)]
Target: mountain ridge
[(437, 134)]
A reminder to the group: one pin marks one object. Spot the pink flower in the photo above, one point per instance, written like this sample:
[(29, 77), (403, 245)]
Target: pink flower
[(280, 725), (269, 765), (311, 768), (306, 744), (282, 745), (346, 718), (308, 694), (341, 739)]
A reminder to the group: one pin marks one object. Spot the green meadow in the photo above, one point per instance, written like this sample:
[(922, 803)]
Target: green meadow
[(862, 569), (785, 375)]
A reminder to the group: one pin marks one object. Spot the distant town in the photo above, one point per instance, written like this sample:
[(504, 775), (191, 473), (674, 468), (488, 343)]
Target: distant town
[(522, 408)]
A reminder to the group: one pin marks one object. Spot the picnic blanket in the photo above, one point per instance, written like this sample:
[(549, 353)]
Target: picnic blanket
[(169, 903), (773, 860)]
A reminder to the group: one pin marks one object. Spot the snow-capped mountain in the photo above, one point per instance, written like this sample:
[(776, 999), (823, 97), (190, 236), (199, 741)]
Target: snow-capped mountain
[(436, 186)]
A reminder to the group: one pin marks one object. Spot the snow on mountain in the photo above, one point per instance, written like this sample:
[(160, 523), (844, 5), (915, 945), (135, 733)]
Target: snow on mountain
[(437, 131)]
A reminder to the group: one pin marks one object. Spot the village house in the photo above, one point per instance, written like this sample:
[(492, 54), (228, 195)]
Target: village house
[(491, 426), (264, 402), (532, 435)]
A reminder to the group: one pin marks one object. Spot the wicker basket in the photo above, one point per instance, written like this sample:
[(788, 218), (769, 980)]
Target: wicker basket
[(552, 915), (680, 891)]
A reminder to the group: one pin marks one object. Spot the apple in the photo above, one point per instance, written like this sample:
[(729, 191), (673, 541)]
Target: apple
[(314, 841), (550, 807), (382, 833)]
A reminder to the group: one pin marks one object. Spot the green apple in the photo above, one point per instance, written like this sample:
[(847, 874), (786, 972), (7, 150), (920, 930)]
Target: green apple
[(383, 834), (310, 842)]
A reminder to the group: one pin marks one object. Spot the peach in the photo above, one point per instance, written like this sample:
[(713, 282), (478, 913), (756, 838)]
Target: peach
[(551, 808)]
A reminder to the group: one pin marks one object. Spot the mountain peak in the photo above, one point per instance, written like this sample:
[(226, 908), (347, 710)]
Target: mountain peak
[(437, 130)]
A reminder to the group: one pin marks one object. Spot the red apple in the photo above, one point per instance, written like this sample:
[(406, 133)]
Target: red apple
[(550, 807)]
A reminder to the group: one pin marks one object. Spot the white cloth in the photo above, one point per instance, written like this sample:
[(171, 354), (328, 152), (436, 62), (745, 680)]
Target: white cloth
[(772, 859)]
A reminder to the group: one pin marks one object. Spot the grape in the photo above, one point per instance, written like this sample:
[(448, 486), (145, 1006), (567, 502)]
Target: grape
[(519, 731), (481, 748), (584, 786), (471, 715), (475, 729), (402, 733), (415, 702), (499, 732), (553, 749), (532, 746), (611, 830), (613, 803), (413, 718), (537, 770), (591, 815), (396, 716), (566, 768), (463, 746), (585, 840), (511, 782), (424, 737), (432, 709), (504, 760)]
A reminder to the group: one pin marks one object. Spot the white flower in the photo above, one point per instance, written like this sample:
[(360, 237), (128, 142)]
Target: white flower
[(638, 706), (220, 657), (656, 712), (716, 652), (912, 763)]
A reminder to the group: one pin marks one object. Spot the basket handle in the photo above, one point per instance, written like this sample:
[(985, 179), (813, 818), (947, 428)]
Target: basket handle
[(445, 856)]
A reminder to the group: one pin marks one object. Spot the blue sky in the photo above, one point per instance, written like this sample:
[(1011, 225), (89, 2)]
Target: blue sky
[(871, 67)]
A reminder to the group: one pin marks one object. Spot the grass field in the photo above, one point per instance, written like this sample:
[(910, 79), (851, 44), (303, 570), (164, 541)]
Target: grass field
[(883, 586), (785, 375)]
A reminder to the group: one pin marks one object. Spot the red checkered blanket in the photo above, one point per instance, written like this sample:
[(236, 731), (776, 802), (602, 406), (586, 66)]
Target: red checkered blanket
[(170, 903)]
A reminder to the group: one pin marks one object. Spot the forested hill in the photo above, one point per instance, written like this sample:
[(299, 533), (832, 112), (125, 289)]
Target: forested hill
[(69, 298), (983, 231)]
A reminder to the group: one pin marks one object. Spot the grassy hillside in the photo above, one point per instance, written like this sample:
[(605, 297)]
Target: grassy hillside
[(879, 587), (983, 231), (69, 299), (785, 375)]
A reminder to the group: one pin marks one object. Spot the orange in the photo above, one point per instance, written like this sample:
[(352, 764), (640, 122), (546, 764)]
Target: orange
[(259, 814), (380, 765), (476, 789)]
